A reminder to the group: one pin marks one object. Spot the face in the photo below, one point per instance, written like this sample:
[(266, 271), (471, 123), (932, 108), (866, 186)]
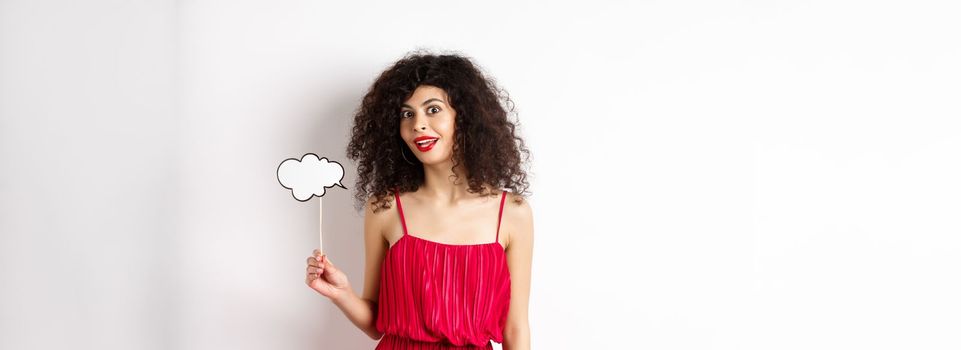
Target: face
[(428, 115)]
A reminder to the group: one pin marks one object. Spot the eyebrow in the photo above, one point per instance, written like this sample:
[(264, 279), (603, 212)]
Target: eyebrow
[(425, 102)]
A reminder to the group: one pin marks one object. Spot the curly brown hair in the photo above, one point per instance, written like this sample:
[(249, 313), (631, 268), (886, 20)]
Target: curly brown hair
[(486, 141)]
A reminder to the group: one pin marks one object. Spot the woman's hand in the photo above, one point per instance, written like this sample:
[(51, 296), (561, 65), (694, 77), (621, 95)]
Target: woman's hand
[(325, 278)]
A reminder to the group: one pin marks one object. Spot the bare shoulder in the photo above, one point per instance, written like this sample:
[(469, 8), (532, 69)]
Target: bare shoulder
[(518, 212), (377, 215), (517, 205)]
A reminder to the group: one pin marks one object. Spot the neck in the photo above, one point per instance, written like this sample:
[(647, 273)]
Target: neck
[(439, 186)]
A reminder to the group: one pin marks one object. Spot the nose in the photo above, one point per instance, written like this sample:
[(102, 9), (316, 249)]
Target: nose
[(420, 124)]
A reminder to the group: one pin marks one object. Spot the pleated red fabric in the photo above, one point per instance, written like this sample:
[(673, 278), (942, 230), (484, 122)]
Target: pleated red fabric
[(443, 296)]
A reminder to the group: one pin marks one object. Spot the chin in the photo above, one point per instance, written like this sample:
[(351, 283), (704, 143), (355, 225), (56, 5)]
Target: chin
[(433, 159), (430, 161)]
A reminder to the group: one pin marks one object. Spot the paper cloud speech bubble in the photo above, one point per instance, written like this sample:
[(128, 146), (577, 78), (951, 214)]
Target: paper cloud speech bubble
[(309, 176)]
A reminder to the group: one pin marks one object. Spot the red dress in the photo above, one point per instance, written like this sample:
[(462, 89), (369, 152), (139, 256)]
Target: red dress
[(443, 296)]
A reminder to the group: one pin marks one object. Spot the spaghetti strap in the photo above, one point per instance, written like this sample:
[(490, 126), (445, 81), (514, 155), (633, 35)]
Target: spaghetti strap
[(400, 210), (499, 213)]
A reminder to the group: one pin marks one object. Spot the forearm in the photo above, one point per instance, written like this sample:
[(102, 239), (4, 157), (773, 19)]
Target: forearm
[(359, 311), (517, 338)]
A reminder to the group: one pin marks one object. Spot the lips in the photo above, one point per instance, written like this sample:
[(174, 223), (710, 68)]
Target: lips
[(425, 143)]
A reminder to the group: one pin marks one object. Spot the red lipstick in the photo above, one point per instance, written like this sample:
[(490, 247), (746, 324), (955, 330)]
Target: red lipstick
[(425, 146)]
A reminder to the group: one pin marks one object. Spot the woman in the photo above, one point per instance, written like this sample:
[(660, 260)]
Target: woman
[(447, 261)]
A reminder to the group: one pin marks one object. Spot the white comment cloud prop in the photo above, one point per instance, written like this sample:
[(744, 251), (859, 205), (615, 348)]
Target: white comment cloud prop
[(310, 176)]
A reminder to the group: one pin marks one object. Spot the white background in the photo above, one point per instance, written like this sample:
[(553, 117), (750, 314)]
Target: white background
[(705, 174)]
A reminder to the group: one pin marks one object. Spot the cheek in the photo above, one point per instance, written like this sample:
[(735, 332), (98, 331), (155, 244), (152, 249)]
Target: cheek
[(447, 127)]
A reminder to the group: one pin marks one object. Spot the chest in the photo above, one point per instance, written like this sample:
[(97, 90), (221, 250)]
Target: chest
[(468, 224)]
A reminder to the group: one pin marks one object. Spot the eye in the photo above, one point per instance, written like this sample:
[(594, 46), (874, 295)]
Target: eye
[(403, 114)]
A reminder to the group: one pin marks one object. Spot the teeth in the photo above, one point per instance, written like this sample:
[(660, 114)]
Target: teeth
[(425, 142)]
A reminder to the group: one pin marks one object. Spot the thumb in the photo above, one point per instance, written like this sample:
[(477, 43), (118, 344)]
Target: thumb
[(329, 266)]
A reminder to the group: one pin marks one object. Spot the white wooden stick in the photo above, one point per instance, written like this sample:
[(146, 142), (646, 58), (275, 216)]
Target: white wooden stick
[(320, 222)]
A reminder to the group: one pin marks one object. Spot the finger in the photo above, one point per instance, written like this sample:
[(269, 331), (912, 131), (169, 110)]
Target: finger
[(313, 262), (329, 266)]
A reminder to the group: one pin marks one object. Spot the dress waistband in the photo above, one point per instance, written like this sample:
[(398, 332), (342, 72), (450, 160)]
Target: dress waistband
[(394, 342)]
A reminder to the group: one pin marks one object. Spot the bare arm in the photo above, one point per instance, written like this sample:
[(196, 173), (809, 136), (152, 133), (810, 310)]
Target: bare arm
[(362, 310), (520, 248)]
